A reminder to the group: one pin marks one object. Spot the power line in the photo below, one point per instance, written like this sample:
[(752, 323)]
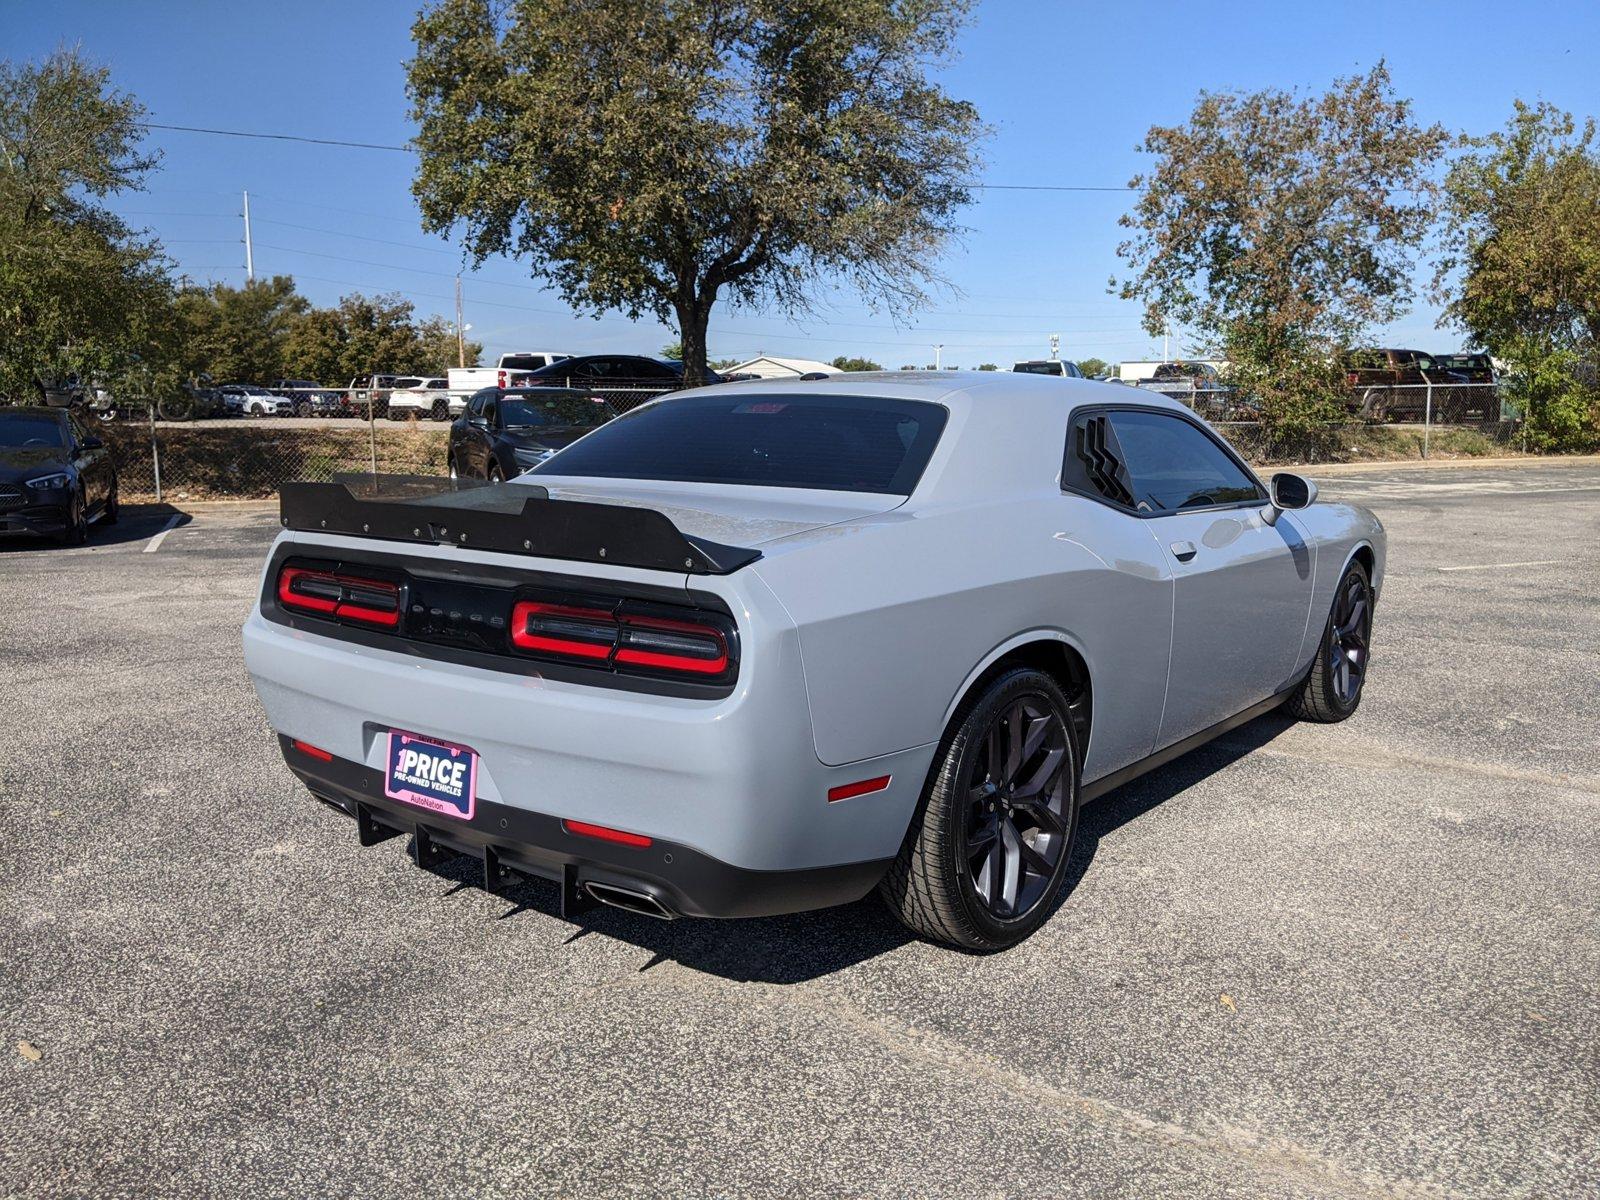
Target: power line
[(316, 141), (274, 137)]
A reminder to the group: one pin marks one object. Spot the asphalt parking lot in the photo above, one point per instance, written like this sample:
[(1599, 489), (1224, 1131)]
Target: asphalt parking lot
[(1357, 960)]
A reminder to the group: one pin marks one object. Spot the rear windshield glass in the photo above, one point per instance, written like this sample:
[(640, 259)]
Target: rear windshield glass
[(836, 443), (1037, 368), (522, 362), (524, 410)]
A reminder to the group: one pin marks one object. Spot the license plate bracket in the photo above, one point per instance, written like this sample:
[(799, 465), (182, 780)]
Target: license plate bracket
[(432, 774)]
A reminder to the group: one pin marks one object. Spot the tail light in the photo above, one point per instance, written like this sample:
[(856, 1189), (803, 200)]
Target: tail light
[(1351, 379), (373, 602), (500, 379), (625, 638)]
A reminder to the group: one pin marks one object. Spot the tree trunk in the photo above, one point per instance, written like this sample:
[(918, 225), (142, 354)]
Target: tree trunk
[(692, 321)]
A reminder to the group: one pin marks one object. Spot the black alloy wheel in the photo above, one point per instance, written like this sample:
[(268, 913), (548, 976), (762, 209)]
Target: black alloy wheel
[(987, 851), (1332, 689), (441, 410), (1015, 829), (76, 531)]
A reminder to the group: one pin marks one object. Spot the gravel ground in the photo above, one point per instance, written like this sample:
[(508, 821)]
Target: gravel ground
[(1360, 960)]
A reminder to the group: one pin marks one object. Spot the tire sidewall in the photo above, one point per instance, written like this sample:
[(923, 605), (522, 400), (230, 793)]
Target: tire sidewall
[(949, 790)]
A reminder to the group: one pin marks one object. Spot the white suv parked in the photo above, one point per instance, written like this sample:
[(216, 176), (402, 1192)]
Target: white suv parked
[(249, 400), (428, 397)]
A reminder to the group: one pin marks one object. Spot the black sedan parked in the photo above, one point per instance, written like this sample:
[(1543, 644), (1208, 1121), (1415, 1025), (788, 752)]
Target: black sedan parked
[(54, 477), (505, 431), (624, 372)]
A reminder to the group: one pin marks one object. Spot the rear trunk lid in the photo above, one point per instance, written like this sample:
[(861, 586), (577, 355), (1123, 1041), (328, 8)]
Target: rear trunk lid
[(732, 514)]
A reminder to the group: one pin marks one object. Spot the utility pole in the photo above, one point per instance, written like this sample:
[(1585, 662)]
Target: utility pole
[(249, 250), (938, 357), (461, 341), (1166, 351)]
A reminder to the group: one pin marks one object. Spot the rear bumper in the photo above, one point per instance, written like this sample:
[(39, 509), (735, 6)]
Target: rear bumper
[(506, 840)]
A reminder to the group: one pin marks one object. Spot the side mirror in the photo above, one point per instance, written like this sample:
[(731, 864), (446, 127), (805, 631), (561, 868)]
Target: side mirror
[(1289, 491)]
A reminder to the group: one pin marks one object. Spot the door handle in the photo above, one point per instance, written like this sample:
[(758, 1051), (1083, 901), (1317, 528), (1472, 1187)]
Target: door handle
[(1183, 551)]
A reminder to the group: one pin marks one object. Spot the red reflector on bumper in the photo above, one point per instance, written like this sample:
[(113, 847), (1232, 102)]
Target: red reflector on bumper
[(605, 834), (863, 787), (316, 752)]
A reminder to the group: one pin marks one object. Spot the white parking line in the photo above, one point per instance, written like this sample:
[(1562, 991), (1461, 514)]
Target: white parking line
[(1540, 562), (154, 543)]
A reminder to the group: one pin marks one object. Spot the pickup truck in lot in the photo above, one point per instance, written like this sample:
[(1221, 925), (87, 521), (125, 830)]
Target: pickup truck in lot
[(510, 370)]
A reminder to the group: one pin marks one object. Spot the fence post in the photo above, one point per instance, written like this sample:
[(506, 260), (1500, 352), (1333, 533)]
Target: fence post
[(155, 447), (1427, 418), (372, 438)]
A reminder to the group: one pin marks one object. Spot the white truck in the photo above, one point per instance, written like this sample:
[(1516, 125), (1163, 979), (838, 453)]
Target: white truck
[(507, 372)]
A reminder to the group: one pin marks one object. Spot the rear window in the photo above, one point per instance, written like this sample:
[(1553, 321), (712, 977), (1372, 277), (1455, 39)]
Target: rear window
[(1037, 368), (523, 362), (835, 443), (523, 409)]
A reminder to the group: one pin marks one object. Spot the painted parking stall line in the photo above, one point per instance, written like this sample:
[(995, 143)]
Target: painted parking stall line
[(154, 543)]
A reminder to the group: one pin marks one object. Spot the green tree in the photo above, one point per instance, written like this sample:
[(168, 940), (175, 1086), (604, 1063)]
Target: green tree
[(1093, 367), (845, 363), (81, 294), (366, 334), (239, 335), (673, 350), (1520, 271), (987, 367), (1278, 229), (653, 158)]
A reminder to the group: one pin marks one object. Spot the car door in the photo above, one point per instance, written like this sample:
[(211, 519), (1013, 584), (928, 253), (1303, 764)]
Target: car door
[(93, 462), (1241, 583)]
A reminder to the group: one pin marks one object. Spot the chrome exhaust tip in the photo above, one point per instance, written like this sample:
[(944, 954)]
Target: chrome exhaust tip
[(627, 898)]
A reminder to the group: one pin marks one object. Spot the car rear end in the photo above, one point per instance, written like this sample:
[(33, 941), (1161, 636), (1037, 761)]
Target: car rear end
[(634, 728)]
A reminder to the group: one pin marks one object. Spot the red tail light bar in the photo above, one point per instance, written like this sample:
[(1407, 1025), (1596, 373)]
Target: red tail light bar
[(629, 640), (374, 602)]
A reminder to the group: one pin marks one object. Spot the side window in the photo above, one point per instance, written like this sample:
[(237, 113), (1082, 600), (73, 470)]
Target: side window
[(77, 430), (1174, 465), (490, 405), (475, 405), (1093, 463)]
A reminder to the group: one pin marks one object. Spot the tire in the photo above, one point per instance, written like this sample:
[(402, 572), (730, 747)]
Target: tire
[(934, 886), (1332, 690), (496, 475), (105, 415), (76, 532), (441, 411), (453, 473), (109, 514)]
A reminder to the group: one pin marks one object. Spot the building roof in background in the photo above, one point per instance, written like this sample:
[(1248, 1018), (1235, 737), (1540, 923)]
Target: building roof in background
[(767, 367)]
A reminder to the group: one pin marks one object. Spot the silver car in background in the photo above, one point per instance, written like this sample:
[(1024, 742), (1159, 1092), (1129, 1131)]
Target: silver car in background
[(768, 646)]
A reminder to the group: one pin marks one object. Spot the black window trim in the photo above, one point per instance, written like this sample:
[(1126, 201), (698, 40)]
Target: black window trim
[(1262, 492)]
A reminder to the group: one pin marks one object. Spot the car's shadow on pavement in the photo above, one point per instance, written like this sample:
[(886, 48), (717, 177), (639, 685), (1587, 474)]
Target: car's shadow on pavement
[(134, 524), (806, 946)]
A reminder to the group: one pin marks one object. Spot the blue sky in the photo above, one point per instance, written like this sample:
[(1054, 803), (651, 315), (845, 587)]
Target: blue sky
[(1070, 90)]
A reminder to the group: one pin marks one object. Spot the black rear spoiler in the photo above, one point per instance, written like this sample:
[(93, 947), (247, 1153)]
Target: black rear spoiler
[(520, 519)]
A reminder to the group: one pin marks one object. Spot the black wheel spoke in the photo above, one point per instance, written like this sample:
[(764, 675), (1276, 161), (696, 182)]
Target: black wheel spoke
[(1011, 876), (1042, 815), (1045, 777), (1033, 860), (1013, 739)]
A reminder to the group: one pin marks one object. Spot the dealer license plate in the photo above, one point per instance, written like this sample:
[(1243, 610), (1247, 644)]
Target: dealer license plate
[(438, 776)]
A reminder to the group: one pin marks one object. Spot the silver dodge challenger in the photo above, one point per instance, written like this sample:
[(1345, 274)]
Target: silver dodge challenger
[(764, 647)]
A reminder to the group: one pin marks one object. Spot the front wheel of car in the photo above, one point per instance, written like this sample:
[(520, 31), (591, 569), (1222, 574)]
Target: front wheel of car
[(441, 411), (1332, 690), (496, 475), (76, 531), (987, 852)]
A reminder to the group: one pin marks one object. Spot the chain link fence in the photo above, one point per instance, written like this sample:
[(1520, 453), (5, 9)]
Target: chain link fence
[(249, 451)]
